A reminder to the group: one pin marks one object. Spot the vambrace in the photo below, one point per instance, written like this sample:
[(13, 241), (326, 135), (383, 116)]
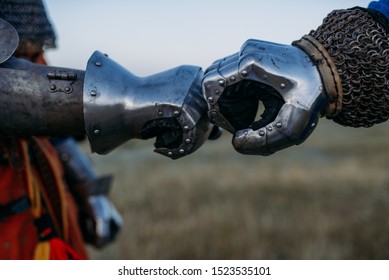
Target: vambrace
[(40, 100), (354, 46)]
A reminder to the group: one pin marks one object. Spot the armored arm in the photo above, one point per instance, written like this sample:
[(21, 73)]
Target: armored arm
[(107, 102), (340, 71)]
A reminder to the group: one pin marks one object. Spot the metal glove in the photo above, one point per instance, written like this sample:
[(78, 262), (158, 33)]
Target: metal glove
[(340, 70), (283, 78), (119, 106)]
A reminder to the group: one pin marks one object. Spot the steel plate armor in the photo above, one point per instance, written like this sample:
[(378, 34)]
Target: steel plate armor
[(118, 105), (107, 102), (340, 70), (289, 72)]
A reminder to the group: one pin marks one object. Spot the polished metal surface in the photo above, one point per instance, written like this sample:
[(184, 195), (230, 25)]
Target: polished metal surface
[(103, 223), (117, 105), (111, 105), (9, 40), (290, 72)]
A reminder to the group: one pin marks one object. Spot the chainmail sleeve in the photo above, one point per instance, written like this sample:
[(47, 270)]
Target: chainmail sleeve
[(357, 41)]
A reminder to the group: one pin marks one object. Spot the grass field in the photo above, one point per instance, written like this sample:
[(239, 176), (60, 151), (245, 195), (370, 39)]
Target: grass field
[(325, 199)]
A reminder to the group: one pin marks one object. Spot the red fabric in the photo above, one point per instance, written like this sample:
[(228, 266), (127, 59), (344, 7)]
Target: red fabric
[(18, 235), (61, 251)]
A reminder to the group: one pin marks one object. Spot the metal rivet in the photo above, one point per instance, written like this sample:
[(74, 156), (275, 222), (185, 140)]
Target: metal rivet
[(313, 124), (98, 64), (214, 113), (67, 89), (244, 73), (186, 127), (96, 131), (265, 77), (282, 85), (176, 113), (269, 128), (261, 133), (170, 154), (210, 99), (160, 113), (217, 91), (232, 78), (221, 83), (93, 93), (52, 87), (182, 151), (188, 141), (278, 124)]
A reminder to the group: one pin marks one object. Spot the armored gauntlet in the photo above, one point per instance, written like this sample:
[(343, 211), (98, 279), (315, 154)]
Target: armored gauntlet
[(339, 71)]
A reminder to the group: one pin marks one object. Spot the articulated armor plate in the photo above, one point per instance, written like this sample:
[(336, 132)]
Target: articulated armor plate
[(357, 40), (287, 72), (118, 105)]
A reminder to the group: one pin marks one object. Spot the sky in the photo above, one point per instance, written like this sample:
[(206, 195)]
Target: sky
[(152, 36)]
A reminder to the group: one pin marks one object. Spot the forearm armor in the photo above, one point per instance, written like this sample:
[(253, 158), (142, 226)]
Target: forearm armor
[(357, 42), (40, 100)]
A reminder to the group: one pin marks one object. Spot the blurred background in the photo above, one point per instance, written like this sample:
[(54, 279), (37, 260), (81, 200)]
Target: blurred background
[(325, 199)]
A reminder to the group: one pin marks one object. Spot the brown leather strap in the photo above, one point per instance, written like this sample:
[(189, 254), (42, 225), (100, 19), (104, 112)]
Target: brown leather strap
[(53, 188), (328, 72)]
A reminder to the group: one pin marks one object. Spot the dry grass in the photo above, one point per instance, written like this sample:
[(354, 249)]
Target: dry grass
[(325, 199)]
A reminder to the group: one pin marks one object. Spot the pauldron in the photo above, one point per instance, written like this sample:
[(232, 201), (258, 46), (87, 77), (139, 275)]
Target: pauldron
[(358, 43)]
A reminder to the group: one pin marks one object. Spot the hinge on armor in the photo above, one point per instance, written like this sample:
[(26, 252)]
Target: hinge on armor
[(61, 81)]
